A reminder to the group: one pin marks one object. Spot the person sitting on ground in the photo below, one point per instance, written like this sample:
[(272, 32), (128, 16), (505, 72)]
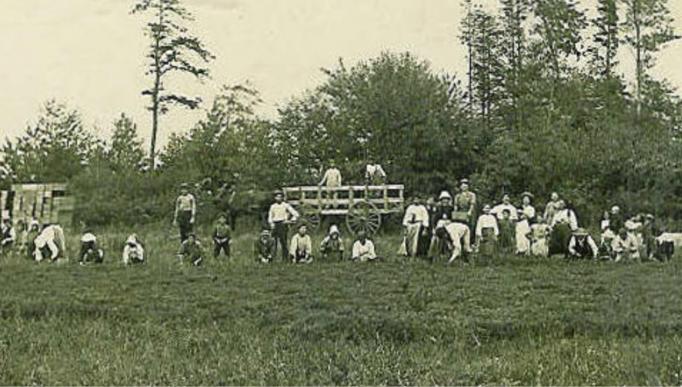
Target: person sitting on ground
[(457, 237), (523, 232), (265, 247), (8, 235), (301, 246), (221, 237), (90, 251), (625, 246), (50, 242), (582, 245), (133, 251), (191, 251), (665, 248), (416, 226), (487, 232), (507, 230), (363, 249), (332, 245), (507, 205), (539, 233)]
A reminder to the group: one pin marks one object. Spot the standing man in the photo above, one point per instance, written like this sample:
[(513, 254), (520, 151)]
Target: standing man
[(279, 216), (465, 204), (374, 173), (185, 212), (416, 222), (332, 180)]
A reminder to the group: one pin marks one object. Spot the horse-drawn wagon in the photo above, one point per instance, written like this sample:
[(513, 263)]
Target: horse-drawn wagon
[(362, 206)]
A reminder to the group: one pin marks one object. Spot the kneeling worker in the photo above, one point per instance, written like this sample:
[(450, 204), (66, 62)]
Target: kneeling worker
[(50, 242), (191, 250), (582, 245), (456, 235)]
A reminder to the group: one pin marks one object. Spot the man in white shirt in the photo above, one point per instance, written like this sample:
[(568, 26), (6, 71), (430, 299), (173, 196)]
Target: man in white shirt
[(363, 249), (281, 214), (49, 241), (375, 174), (505, 205), (301, 248), (416, 222), (332, 180), (185, 212), (456, 234)]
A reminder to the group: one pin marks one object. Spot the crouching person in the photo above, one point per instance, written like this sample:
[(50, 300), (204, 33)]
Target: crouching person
[(90, 251), (363, 249), (301, 247), (265, 247), (582, 245), (456, 235), (332, 245), (133, 251), (625, 246), (8, 236), (191, 251), (221, 237), (50, 243)]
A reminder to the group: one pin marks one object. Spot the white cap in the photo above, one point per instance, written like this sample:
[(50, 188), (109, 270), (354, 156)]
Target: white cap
[(444, 195), (88, 237), (334, 229)]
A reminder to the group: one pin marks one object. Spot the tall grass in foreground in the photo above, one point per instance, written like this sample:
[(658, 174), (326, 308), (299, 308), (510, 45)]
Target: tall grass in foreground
[(510, 321)]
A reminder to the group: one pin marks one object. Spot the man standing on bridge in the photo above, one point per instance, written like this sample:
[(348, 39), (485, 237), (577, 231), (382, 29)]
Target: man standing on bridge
[(281, 214), (185, 212)]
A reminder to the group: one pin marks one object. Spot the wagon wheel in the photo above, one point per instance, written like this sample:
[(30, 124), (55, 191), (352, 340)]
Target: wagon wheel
[(363, 216), (310, 216)]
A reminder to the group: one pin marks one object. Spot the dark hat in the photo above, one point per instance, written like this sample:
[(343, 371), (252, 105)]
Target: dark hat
[(278, 192)]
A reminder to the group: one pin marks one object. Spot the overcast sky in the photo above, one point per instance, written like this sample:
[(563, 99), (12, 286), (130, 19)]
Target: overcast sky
[(90, 53)]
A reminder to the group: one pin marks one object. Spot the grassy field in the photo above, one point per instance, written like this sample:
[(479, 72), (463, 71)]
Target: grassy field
[(510, 321)]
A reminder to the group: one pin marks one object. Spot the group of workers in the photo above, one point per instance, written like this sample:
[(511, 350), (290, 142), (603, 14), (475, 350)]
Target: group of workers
[(433, 229), (446, 228)]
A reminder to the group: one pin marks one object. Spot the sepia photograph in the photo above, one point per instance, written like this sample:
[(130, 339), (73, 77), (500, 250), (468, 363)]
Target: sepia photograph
[(341, 192)]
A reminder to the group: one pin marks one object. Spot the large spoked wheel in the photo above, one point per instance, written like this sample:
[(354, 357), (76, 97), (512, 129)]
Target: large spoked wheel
[(363, 216), (310, 217)]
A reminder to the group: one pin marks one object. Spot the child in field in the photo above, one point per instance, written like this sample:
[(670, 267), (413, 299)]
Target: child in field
[(507, 230), (539, 233), (363, 249), (332, 245), (265, 247), (29, 238), (133, 251), (90, 251), (221, 237), (301, 247), (192, 251), (487, 232), (523, 232)]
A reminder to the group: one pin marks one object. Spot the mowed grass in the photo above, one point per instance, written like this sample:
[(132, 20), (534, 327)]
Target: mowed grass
[(509, 321)]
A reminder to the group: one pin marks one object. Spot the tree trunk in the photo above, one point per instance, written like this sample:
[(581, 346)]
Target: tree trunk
[(156, 91), (638, 49)]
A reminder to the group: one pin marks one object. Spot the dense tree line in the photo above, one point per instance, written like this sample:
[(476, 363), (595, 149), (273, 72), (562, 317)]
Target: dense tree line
[(543, 107)]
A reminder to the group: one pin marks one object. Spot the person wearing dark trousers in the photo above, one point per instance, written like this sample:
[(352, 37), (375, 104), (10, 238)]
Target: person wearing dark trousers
[(185, 212), (281, 214), (191, 251), (221, 237)]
